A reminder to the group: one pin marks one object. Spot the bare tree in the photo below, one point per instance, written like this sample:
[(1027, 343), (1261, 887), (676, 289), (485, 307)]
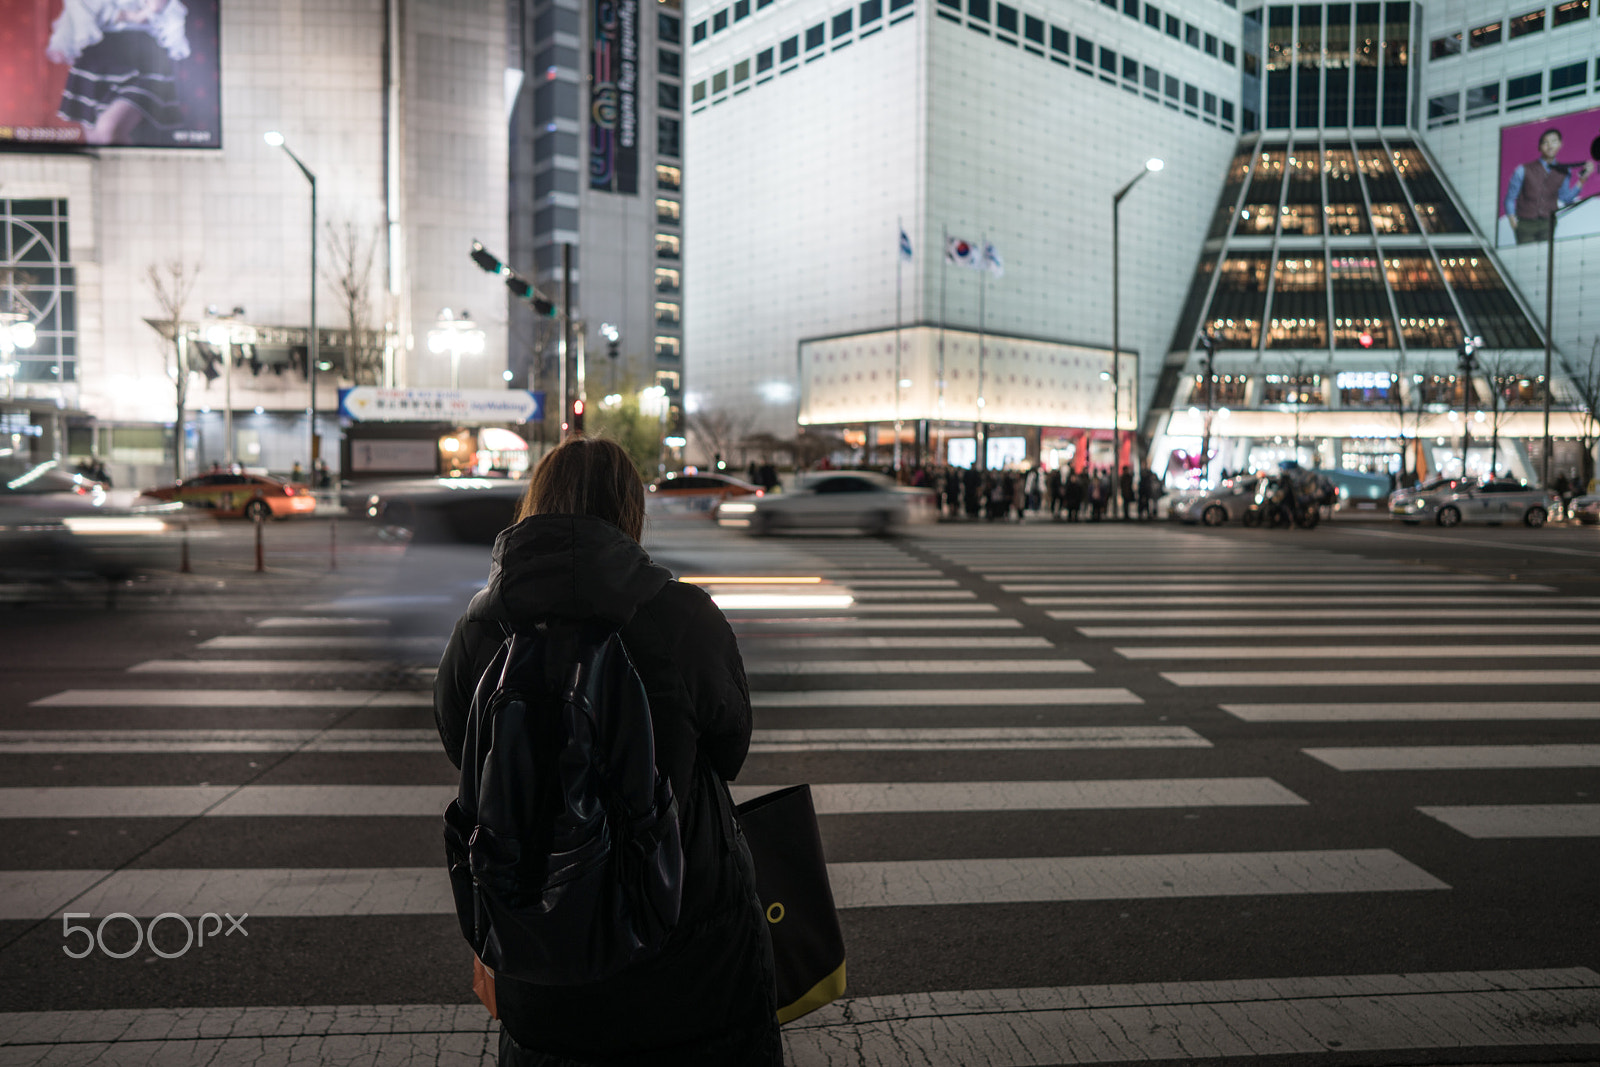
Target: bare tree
[(1507, 379), (1585, 379), (352, 253), (1408, 420), (171, 283), (721, 429)]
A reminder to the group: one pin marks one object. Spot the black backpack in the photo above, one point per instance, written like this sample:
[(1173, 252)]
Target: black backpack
[(564, 849)]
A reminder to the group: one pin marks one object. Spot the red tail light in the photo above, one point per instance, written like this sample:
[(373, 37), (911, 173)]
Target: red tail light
[(761, 492), (288, 490)]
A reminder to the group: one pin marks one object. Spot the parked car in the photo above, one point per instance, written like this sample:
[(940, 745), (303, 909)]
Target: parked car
[(1586, 509), (247, 496), (1214, 507), (859, 500), (1359, 491), (1456, 502), (695, 494), (55, 524)]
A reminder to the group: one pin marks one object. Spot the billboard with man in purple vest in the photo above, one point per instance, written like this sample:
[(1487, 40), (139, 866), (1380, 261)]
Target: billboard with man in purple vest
[(1547, 177)]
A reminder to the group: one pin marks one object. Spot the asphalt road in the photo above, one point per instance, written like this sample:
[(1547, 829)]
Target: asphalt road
[(1090, 793)]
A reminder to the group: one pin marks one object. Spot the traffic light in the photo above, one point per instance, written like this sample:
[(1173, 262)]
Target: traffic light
[(1365, 339), (520, 287), (577, 416)]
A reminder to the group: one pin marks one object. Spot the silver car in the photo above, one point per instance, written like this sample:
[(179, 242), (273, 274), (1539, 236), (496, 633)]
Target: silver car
[(1214, 507), (858, 500), (1454, 503)]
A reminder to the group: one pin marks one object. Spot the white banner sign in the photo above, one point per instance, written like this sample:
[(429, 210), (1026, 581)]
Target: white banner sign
[(371, 403)]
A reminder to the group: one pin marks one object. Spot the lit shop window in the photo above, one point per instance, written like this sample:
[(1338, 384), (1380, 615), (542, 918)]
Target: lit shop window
[(1571, 11), (1365, 388), (668, 280), (668, 211), (1256, 218), (1304, 332), (1302, 219), (668, 177), (1391, 218), (1367, 332), (668, 245), (1292, 389), (1485, 35), (1235, 333), (668, 313), (1532, 22), (1226, 389), (668, 347)]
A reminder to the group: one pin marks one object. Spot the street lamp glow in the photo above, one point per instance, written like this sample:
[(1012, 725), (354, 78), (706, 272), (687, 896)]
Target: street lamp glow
[(273, 138), (1152, 165)]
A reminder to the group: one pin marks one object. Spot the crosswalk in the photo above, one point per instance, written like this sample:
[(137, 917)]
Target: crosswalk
[(986, 756)]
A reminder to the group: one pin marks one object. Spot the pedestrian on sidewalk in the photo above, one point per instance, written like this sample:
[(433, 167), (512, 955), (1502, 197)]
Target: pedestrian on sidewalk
[(708, 998), (1125, 489)]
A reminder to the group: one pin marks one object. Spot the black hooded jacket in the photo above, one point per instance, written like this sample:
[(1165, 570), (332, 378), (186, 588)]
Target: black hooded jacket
[(707, 999)]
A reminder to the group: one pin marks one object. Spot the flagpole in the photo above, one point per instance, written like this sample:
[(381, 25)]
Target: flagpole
[(944, 279), (980, 436), (899, 262)]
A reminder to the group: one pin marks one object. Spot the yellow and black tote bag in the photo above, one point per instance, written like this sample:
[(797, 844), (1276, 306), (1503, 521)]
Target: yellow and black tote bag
[(792, 881)]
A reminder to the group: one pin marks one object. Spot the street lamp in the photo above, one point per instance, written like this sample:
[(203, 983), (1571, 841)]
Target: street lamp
[(275, 139), (1549, 319), (15, 332), (1150, 167), (653, 401), (457, 336)]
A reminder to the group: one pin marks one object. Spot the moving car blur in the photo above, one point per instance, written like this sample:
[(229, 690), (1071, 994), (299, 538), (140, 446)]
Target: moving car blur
[(55, 524), (694, 493), (1586, 509), (1453, 502), (862, 501), (239, 495), (1226, 503)]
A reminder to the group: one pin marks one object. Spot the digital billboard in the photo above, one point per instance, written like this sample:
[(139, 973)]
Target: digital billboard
[(614, 98), (1546, 165), (132, 73)]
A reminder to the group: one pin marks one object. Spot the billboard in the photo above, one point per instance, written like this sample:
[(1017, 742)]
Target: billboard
[(614, 98), (1544, 165), (134, 73)]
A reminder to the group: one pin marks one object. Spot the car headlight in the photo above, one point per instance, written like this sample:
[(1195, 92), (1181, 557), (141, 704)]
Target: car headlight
[(737, 509)]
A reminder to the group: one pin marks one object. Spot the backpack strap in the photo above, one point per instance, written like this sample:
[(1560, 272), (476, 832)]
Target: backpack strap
[(725, 812)]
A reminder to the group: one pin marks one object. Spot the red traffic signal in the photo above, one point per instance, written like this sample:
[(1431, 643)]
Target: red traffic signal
[(577, 416), (1365, 339)]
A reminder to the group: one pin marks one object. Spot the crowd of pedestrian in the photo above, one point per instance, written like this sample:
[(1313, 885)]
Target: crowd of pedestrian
[(1091, 494)]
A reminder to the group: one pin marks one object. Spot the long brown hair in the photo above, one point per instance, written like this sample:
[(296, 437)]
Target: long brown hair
[(587, 476)]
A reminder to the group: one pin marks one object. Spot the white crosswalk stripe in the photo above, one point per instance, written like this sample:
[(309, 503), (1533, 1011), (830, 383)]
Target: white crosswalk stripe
[(1509, 599), (803, 668), (1358, 652), (1133, 586), (1424, 711), (1456, 757), (1519, 820), (754, 626), (855, 798), (911, 698), (1318, 679), (286, 668), (288, 892), (1322, 611), (762, 643), (1484, 629), (233, 698)]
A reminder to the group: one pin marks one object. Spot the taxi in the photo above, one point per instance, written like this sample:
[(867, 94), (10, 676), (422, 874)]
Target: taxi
[(248, 496), (695, 493)]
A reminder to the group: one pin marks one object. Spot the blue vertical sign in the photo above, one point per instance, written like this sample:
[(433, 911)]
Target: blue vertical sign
[(614, 98)]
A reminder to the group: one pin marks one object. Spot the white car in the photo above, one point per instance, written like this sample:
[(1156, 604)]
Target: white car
[(1486, 502), (1214, 507), (858, 500)]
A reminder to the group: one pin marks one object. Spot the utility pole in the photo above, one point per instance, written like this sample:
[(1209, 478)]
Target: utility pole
[(1209, 343)]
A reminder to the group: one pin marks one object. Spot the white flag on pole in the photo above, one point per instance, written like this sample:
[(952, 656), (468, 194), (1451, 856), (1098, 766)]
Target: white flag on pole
[(992, 261)]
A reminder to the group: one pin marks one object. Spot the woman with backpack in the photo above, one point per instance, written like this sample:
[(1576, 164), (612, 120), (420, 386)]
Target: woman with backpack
[(573, 557)]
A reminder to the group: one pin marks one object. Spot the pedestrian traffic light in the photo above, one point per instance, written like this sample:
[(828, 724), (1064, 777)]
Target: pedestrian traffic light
[(577, 416)]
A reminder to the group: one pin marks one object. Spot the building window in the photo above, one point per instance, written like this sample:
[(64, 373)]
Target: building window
[(816, 35), (1230, 55), (669, 96), (1191, 35), (719, 21), (763, 61), (669, 28), (741, 10), (1442, 47), (1208, 103), (668, 313), (1171, 87), (1085, 50), (1524, 91), (741, 71), (719, 81), (1211, 44), (1033, 29), (668, 136), (668, 246), (871, 11), (1174, 27), (668, 280), (978, 9), (1108, 61), (699, 32), (1191, 95), (667, 60), (668, 347), (1571, 11), (698, 93), (1152, 79), (668, 177), (1485, 35), (1344, 219), (789, 49), (1152, 16), (1227, 111), (843, 23), (1483, 100), (1568, 81), (669, 211), (1292, 389), (1005, 18), (1060, 40), (1444, 110), (1532, 22), (1130, 8)]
